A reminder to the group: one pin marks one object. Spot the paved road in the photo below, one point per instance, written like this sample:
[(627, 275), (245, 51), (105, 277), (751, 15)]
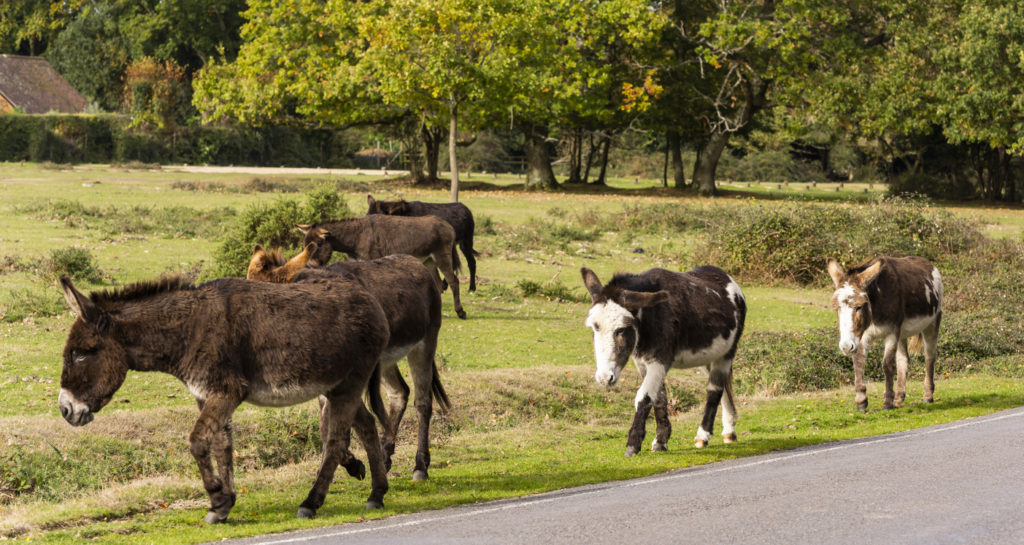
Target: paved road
[(954, 483)]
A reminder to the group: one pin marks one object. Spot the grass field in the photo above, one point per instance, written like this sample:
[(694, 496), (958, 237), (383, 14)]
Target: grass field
[(527, 414)]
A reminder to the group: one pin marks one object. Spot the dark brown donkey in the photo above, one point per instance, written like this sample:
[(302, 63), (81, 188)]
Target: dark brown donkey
[(411, 301), (371, 237), (456, 214), (894, 298), (229, 341)]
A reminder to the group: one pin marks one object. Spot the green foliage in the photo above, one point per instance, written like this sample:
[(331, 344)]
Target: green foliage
[(273, 226), (22, 303), (793, 242), (108, 139), (552, 291), (78, 263), (171, 221), (911, 184)]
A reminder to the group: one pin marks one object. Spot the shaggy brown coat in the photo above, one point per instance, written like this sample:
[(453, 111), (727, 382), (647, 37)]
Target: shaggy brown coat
[(231, 341), (411, 301), (456, 214), (895, 298), (372, 237)]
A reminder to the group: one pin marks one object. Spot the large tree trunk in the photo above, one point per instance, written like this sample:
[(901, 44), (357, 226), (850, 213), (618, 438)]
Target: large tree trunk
[(539, 174), (590, 159), (675, 149), (754, 90), (453, 131), (575, 157), (606, 143), (411, 140), (432, 148), (707, 163)]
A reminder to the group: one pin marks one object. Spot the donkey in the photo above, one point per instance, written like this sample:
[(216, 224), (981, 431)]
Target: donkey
[(668, 319), (456, 214), (411, 301), (231, 341), (371, 237), (895, 298)]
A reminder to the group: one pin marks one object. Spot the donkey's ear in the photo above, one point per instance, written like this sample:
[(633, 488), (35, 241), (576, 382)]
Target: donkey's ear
[(295, 265), (257, 249), (321, 233), (370, 200), (304, 228), (836, 272), (592, 283), (81, 306), (636, 300), (871, 273)]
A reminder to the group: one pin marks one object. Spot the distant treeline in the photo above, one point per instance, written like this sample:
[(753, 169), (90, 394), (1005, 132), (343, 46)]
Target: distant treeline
[(109, 139)]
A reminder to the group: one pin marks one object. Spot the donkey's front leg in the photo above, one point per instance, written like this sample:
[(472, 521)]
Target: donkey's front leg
[(889, 370), (654, 382), (859, 360), (339, 412), (210, 432), (718, 377)]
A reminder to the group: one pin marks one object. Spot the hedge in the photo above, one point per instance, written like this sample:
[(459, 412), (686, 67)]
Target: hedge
[(108, 139)]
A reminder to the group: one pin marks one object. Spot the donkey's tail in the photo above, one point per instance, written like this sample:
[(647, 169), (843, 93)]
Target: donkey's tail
[(456, 262), (915, 343), (438, 390), (376, 402)]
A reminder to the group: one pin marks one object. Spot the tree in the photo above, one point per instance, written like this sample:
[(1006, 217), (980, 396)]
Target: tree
[(28, 27), (433, 56)]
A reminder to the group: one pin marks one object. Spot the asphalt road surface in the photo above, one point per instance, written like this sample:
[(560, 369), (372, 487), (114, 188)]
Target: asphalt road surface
[(954, 483)]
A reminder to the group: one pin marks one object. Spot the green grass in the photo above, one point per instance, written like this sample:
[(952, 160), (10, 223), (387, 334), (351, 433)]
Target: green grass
[(528, 416)]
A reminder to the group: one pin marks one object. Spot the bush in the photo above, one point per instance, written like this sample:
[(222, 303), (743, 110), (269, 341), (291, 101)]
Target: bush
[(792, 242), (77, 263), (23, 303), (273, 226), (929, 185), (555, 291)]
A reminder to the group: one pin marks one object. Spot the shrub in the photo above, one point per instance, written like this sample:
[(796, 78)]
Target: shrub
[(77, 263), (273, 226), (929, 185), (552, 291), (23, 303)]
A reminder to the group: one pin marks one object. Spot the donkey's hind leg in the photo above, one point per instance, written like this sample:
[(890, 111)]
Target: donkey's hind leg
[(366, 428), (718, 376), (444, 262), (466, 244), (729, 411), (902, 365), (930, 338), (339, 413), (421, 368), (398, 400)]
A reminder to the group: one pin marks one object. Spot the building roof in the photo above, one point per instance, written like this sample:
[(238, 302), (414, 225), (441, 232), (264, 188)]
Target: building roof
[(30, 83)]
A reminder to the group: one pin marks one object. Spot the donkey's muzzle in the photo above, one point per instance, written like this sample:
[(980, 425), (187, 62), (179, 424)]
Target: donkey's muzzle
[(74, 411)]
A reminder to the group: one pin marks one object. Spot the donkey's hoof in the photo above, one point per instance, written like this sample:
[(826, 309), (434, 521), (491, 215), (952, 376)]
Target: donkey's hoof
[(305, 513), (729, 438), (658, 447), (700, 443), (928, 400), (374, 504), (214, 518), (631, 451), (461, 313), (419, 475), (356, 469)]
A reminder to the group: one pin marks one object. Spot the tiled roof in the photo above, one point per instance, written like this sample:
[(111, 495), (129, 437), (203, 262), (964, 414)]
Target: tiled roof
[(30, 83)]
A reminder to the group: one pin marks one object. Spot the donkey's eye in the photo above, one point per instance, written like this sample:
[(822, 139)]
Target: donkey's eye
[(78, 356), (621, 331)]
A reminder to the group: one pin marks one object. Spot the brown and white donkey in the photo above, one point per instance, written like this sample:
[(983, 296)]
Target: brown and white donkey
[(893, 298)]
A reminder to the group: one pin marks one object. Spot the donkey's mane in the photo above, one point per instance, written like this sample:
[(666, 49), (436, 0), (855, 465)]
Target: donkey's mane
[(633, 282), (140, 290), (274, 257)]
